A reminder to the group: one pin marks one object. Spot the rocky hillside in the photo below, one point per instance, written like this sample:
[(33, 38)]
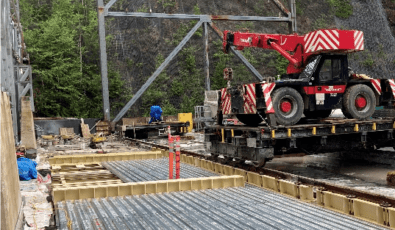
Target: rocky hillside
[(137, 46)]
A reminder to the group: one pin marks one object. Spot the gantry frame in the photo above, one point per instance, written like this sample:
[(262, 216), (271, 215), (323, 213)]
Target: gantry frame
[(288, 16)]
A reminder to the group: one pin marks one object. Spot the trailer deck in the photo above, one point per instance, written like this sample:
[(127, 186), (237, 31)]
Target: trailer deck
[(260, 144)]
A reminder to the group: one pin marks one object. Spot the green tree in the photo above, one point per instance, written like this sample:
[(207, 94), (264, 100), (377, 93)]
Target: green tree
[(62, 40)]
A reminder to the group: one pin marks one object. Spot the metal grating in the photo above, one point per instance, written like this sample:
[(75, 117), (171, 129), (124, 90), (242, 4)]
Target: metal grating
[(232, 208), (152, 170)]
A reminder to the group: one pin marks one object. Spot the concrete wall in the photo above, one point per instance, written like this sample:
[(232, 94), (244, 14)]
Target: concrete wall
[(10, 190)]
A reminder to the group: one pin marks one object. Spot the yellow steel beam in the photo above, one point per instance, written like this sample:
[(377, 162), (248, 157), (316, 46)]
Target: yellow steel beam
[(96, 158), (139, 188)]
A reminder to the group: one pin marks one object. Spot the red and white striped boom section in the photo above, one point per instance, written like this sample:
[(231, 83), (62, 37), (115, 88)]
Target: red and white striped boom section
[(297, 49)]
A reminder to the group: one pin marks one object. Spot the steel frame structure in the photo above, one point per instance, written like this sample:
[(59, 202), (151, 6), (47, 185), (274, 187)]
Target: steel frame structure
[(204, 20), (16, 78)]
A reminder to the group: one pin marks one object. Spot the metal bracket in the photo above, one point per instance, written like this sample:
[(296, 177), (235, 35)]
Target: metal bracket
[(323, 140), (364, 136), (292, 143), (271, 119), (390, 135)]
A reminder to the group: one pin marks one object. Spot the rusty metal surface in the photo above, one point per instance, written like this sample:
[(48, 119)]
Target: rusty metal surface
[(284, 10), (233, 208)]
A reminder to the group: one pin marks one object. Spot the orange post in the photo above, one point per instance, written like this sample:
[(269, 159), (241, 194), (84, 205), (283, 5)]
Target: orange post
[(171, 149), (178, 157), (168, 133)]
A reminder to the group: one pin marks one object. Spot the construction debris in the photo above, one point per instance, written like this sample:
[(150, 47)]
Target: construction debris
[(391, 178)]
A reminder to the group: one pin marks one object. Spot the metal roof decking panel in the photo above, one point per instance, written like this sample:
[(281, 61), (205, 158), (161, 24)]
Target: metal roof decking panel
[(152, 170), (232, 208)]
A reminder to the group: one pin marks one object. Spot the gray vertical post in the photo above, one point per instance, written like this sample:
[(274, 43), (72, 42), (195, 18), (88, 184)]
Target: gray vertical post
[(7, 70), (292, 24), (103, 60), (206, 63)]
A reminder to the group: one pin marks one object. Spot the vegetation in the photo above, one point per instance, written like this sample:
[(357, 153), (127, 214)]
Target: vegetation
[(368, 62), (62, 40), (343, 8)]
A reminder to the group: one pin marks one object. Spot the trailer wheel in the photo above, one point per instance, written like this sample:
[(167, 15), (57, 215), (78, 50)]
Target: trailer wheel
[(249, 119), (359, 102), (318, 113), (288, 105)]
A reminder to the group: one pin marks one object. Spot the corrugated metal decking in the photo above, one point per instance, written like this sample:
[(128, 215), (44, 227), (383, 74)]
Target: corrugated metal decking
[(152, 170), (232, 208)]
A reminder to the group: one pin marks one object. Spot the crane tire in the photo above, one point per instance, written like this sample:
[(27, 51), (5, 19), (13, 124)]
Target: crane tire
[(288, 105), (359, 102)]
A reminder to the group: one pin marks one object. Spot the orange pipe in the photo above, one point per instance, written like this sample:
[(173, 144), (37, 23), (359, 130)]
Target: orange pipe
[(171, 148), (177, 157)]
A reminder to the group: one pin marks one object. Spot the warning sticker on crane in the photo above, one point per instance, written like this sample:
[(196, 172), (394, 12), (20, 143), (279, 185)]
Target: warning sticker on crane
[(320, 98)]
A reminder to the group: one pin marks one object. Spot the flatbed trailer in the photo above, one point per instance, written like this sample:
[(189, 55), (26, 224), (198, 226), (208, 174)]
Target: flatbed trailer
[(260, 144), (150, 130)]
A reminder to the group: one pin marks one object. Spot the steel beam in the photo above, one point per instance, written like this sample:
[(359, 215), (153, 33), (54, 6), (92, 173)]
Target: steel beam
[(103, 61), (110, 3), (292, 25), (207, 61), (25, 90), (150, 187), (281, 7), (157, 72), (98, 158), (197, 17), (7, 69), (24, 76), (238, 54)]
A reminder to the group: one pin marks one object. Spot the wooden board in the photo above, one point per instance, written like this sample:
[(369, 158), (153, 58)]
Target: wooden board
[(85, 131), (10, 194), (66, 131), (103, 127), (28, 135)]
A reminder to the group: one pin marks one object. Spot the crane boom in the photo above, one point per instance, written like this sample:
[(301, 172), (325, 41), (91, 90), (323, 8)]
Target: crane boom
[(298, 49)]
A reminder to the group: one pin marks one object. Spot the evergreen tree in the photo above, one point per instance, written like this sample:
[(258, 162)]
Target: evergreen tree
[(62, 40)]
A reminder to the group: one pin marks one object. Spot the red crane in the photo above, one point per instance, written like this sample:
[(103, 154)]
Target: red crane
[(318, 80)]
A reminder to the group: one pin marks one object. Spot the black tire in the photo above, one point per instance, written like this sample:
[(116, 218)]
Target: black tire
[(294, 99), (350, 108), (249, 119), (318, 113)]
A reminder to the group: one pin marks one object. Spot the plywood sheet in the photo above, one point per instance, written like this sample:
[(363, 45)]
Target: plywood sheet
[(28, 136), (10, 194), (85, 131)]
